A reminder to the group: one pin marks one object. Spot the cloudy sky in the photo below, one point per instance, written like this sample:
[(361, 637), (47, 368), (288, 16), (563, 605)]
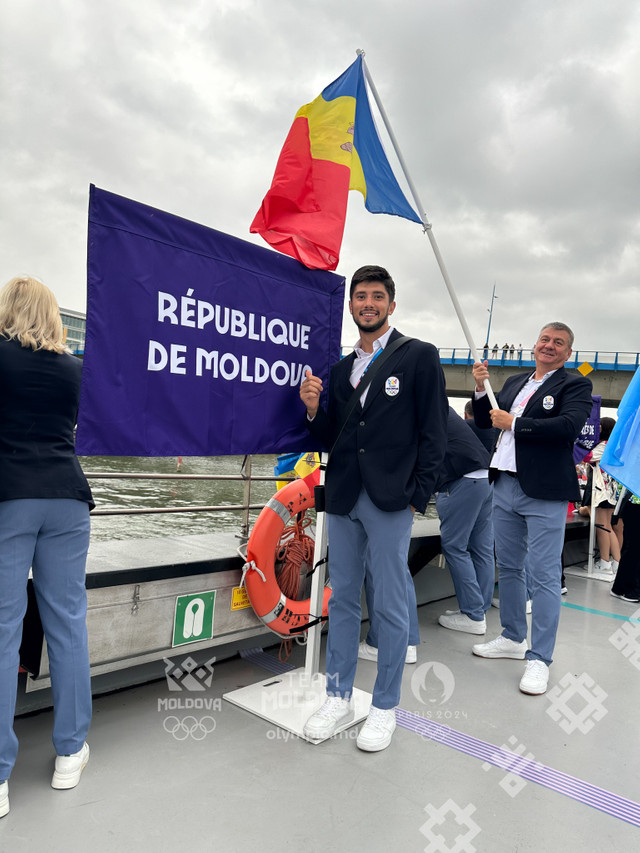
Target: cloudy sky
[(518, 120)]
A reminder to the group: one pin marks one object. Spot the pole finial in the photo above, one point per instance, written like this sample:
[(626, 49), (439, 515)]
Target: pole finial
[(360, 52)]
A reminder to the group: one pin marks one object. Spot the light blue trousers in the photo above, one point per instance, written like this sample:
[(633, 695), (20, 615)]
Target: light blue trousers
[(387, 535), (52, 537), (532, 531), (414, 625), (466, 533)]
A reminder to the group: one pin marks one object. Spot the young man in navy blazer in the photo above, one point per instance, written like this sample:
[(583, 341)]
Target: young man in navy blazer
[(533, 477), (383, 467)]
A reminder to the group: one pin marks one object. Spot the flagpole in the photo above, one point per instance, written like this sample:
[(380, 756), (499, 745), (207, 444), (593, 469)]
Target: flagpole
[(427, 227)]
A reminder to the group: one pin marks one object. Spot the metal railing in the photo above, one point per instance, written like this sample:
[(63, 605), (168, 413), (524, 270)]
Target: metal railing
[(598, 359), (244, 476)]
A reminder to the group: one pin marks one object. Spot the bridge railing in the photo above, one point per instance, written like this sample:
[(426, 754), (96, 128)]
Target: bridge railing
[(598, 359)]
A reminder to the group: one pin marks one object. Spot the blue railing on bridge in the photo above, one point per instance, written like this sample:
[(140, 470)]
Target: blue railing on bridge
[(597, 359)]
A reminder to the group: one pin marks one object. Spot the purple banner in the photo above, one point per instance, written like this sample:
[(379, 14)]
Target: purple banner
[(590, 432), (196, 341)]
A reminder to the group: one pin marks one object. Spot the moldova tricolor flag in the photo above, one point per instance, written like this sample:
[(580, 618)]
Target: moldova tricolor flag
[(333, 147)]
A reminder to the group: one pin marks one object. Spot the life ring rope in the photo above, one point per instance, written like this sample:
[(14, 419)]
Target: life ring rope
[(284, 615)]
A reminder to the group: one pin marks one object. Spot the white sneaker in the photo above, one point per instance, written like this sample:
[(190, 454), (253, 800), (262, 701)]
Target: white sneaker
[(495, 602), (501, 647), (378, 730), (328, 717), (535, 678), (462, 622), (614, 565), (4, 798), (69, 768), (604, 567), (367, 652)]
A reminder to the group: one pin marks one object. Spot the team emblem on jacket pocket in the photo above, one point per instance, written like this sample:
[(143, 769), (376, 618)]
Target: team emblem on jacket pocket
[(548, 403), (392, 386)]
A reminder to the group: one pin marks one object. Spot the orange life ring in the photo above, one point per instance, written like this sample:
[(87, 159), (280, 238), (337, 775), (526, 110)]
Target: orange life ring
[(270, 604)]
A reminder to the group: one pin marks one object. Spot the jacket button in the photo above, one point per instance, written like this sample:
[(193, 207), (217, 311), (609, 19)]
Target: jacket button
[(362, 450), (361, 423)]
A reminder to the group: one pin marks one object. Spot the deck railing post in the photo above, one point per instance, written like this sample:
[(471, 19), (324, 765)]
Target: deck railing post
[(246, 496)]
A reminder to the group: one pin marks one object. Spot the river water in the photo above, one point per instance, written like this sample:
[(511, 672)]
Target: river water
[(127, 494)]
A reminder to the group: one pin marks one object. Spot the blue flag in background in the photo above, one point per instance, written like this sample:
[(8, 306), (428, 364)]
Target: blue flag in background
[(621, 457)]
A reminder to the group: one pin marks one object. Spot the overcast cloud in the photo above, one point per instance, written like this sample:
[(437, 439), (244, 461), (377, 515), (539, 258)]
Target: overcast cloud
[(518, 120)]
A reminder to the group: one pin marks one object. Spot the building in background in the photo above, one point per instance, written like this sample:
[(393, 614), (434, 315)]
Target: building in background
[(74, 325)]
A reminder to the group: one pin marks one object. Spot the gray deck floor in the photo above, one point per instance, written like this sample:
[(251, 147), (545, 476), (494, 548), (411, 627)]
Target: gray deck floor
[(458, 776)]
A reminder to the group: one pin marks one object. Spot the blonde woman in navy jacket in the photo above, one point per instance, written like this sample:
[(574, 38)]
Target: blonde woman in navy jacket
[(44, 522)]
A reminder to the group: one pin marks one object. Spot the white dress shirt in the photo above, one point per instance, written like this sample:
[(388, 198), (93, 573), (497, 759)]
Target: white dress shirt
[(504, 459), (363, 360)]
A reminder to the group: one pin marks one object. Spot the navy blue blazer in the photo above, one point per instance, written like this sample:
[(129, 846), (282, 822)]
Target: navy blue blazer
[(545, 432), (39, 392), (487, 436), (465, 452), (395, 444)]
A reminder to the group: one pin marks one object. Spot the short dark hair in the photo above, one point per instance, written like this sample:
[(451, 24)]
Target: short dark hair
[(468, 408), (606, 427), (373, 273), (559, 327)]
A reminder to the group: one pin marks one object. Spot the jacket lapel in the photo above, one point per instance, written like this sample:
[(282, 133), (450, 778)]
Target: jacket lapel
[(377, 383), (547, 388), (515, 389)]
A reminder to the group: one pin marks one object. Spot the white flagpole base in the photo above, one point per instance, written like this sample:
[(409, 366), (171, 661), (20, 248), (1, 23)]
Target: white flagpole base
[(583, 571), (289, 699)]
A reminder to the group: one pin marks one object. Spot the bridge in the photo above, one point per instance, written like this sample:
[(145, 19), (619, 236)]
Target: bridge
[(612, 371)]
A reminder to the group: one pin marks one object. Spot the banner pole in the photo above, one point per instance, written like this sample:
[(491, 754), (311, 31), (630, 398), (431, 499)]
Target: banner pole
[(314, 634), (592, 521), (427, 227)]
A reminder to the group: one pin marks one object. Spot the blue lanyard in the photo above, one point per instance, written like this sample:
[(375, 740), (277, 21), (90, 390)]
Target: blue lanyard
[(379, 352)]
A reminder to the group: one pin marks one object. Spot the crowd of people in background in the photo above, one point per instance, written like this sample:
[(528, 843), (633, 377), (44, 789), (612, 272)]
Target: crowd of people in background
[(509, 351)]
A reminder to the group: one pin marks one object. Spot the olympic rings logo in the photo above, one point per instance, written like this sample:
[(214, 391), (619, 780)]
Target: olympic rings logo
[(189, 727)]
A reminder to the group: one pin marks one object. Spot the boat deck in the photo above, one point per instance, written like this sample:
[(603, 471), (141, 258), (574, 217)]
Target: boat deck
[(474, 764)]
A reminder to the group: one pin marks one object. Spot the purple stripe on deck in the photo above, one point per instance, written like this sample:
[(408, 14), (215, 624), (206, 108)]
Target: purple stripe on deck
[(555, 780), (262, 659)]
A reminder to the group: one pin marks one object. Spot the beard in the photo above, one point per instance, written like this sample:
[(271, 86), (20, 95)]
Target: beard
[(371, 328)]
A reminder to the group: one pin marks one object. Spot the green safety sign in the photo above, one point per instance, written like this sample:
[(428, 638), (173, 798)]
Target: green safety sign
[(193, 619)]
